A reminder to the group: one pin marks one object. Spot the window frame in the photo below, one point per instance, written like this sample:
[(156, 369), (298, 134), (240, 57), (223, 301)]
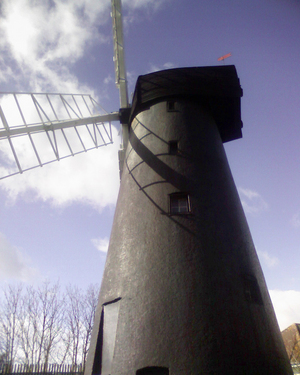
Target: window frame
[(179, 195)]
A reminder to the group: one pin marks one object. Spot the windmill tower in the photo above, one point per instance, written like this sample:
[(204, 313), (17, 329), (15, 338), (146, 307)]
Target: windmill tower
[(182, 291)]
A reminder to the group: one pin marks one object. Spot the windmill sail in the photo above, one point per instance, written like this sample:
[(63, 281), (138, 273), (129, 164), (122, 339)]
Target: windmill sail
[(120, 73), (119, 55), (37, 129)]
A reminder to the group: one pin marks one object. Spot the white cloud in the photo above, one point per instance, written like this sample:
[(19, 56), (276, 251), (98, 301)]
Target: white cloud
[(44, 38), (252, 202), (13, 264), (287, 307), (134, 6), (39, 42), (149, 5), (101, 244), (152, 4), (108, 80), (269, 260), (131, 78), (91, 178), (155, 68)]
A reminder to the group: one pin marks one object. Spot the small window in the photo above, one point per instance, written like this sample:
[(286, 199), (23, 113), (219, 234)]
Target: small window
[(252, 291), (171, 106), (153, 370), (173, 147), (179, 203)]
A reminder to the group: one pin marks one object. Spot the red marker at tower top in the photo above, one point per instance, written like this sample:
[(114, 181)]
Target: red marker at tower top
[(224, 57)]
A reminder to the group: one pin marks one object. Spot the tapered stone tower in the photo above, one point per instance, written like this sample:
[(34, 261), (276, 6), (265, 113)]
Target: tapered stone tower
[(183, 292)]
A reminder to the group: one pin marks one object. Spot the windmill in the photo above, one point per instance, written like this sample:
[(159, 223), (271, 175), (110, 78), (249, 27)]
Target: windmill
[(183, 291)]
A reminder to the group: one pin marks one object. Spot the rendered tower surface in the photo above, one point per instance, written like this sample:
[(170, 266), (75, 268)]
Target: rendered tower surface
[(183, 292)]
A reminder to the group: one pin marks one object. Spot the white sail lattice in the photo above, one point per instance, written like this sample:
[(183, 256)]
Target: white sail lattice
[(37, 129)]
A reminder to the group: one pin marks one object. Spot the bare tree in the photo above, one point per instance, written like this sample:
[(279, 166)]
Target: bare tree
[(9, 320), (41, 325), (3, 351), (51, 319), (74, 298), (28, 320), (80, 314)]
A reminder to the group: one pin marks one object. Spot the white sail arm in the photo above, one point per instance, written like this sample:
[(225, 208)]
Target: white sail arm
[(119, 55), (37, 129), (55, 125)]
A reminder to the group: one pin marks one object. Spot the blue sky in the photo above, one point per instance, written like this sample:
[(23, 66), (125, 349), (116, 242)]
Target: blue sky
[(55, 221)]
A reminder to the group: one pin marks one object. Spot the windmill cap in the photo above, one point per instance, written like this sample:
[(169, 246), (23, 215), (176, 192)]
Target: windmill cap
[(217, 88)]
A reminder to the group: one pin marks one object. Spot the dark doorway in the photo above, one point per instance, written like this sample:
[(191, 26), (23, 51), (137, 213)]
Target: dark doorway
[(153, 370)]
